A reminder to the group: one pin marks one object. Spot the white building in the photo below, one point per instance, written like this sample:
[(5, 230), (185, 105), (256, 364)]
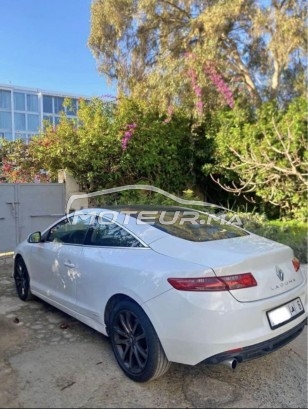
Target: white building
[(24, 110)]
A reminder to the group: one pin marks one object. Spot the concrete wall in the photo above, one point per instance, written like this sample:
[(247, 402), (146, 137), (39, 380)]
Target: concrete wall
[(72, 188)]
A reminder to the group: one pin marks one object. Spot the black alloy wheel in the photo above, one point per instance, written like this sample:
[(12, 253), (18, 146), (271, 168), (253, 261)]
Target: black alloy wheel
[(135, 344), (22, 280)]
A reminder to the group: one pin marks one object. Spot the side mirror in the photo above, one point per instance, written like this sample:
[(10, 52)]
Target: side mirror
[(35, 237)]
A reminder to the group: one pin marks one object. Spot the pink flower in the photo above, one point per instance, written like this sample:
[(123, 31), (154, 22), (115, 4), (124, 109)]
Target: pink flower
[(220, 84), (169, 114), (197, 90), (128, 135), (124, 144)]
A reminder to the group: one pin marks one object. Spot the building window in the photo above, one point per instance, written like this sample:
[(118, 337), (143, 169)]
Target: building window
[(19, 101), (21, 135), (20, 122), (72, 108), (6, 135), (47, 120), (33, 122), (5, 100), (22, 111), (47, 104), (32, 103), (58, 101), (5, 120)]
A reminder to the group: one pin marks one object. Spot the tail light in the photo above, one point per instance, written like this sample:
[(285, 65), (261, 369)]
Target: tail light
[(296, 264), (225, 283)]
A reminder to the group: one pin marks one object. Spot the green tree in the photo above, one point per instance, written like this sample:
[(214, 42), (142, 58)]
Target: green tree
[(119, 144), (88, 150), (264, 153), (183, 52)]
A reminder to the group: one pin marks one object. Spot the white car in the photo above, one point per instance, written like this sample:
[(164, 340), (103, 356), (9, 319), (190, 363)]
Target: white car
[(167, 284)]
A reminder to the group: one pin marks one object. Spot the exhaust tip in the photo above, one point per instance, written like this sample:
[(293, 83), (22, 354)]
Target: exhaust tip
[(231, 363), (234, 363)]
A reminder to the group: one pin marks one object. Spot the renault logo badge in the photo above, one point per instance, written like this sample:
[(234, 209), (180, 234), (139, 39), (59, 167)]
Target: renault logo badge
[(279, 273)]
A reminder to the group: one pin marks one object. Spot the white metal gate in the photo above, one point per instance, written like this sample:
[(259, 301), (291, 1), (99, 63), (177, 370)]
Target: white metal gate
[(27, 207)]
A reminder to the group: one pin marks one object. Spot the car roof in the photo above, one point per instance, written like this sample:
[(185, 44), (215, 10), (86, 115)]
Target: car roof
[(146, 232), (146, 207)]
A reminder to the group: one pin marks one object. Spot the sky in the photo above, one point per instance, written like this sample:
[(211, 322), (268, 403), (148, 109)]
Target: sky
[(43, 44)]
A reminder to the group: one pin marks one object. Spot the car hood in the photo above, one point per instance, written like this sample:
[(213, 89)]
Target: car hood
[(269, 262)]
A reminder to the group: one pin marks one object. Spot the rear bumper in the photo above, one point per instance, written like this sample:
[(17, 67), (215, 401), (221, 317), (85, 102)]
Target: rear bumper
[(258, 350)]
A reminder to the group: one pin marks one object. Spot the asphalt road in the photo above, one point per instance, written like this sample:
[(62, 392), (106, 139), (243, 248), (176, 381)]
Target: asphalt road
[(49, 360)]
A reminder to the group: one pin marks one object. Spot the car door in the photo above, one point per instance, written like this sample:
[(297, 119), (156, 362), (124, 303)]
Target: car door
[(109, 252), (56, 261)]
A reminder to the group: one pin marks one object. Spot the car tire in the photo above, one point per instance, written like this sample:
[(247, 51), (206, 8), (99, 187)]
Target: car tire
[(22, 280), (135, 343)]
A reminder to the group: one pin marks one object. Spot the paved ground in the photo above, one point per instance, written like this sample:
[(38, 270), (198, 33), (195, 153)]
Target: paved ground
[(49, 360)]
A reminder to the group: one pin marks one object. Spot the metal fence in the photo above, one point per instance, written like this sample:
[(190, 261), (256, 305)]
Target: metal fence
[(27, 207)]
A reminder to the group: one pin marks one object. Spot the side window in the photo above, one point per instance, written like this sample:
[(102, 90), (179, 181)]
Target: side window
[(109, 234), (69, 230)]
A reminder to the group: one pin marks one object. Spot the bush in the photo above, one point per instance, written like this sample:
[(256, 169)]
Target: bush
[(262, 156)]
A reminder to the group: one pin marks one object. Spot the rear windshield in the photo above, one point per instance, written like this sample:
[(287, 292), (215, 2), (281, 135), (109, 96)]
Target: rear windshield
[(191, 225)]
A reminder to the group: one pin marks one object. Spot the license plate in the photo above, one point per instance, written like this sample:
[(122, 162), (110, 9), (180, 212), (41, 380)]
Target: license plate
[(285, 313)]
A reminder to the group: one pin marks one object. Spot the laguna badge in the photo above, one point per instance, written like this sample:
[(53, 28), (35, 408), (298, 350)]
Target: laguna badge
[(279, 273)]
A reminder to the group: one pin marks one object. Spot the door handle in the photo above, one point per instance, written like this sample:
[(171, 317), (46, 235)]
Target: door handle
[(68, 264), (13, 207)]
